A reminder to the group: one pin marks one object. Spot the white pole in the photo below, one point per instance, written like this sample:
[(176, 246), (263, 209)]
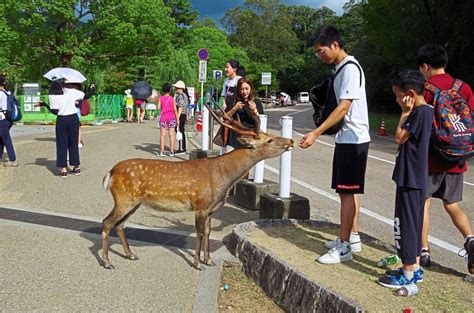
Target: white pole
[(205, 122), (260, 166), (285, 159)]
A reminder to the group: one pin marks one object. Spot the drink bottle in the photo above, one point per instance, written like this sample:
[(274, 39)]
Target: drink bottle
[(388, 260), (408, 290)]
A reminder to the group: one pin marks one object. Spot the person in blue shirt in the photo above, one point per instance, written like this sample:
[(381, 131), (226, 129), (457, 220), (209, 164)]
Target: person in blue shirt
[(410, 175)]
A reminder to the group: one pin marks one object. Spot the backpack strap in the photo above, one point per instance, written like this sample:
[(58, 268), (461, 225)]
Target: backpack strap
[(457, 85), (349, 62), (432, 88)]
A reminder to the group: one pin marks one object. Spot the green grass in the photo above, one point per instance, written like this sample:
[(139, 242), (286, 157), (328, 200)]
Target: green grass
[(391, 121)]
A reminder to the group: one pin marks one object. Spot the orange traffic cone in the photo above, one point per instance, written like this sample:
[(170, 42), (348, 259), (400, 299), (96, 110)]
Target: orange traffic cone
[(199, 122), (382, 131)]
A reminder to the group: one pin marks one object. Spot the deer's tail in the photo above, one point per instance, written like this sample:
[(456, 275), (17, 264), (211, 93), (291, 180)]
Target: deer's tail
[(106, 180)]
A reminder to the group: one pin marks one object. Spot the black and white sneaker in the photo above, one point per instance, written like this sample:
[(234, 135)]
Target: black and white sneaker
[(179, 152)]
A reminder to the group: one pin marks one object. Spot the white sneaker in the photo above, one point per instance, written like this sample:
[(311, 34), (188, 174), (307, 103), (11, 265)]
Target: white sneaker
[(341, 252), (162, 154), (356, 245)]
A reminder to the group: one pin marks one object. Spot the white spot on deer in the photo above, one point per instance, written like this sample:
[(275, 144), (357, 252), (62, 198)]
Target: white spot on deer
[(132, 174)]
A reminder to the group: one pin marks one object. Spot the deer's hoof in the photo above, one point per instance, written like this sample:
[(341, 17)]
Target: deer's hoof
[(198, 267), (132, 257), (209, 263), (108, 266)]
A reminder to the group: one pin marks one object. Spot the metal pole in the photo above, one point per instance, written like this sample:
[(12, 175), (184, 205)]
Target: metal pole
[(285, 159), (205, 122), (260, 166)]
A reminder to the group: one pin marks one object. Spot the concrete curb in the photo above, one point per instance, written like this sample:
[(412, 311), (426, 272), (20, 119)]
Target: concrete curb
[(289, 288)]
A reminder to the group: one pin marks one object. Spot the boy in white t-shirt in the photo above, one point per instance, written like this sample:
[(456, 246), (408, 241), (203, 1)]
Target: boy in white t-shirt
[(5, 125), (352, 140)]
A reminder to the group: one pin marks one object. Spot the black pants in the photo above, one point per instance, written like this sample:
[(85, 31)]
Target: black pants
[(409, 209), (182, 122), (6, 140), (67, 135)]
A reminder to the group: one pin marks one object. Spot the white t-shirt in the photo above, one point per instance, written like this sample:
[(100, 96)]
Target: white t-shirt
[(3, 103), (3, 100), (229, 82), (66, 103), (347, 85)]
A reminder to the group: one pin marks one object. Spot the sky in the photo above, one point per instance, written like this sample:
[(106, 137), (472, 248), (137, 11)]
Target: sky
[(217, 8)]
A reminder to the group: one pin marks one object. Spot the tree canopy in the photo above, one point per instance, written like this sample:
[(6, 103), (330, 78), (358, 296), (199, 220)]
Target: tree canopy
[(115, 42)]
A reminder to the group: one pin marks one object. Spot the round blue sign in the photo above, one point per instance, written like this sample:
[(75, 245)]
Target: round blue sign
[(203, 54)]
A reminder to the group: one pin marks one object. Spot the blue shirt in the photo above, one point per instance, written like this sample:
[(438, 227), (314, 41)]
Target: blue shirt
[(411, 165)]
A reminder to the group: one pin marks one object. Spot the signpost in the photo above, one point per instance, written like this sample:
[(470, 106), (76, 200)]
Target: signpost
[(266, 81), (216, 74), (203, 55)]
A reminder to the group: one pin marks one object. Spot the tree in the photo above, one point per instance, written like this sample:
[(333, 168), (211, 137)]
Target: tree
[(92, 36), (263, 29)]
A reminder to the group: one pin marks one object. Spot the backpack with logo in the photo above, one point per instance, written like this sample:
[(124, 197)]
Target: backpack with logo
[(13, 111), (323, 99), (452, 134)]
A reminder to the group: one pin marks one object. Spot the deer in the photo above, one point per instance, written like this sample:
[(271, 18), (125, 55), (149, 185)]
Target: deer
[(174, 186)]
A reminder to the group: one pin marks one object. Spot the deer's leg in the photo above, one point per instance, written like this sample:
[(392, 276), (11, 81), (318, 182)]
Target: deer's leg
[(118, 214), (121, 233), (200, 222), (207, 232), (107, 225)]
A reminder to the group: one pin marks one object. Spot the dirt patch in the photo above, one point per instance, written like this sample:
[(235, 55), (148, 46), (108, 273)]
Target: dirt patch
[(299, 246), (242, 295)]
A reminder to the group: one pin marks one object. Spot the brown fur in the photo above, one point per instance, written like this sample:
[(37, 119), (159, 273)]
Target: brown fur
[(198, 185)]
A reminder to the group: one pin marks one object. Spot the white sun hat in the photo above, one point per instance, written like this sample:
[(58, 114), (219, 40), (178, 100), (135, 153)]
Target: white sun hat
[(179, 84)]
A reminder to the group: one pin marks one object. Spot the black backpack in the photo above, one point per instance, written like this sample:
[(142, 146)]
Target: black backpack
[(323, 99)]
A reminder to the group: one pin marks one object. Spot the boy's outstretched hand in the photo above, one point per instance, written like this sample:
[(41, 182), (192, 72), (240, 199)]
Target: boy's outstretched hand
[(307, 140)]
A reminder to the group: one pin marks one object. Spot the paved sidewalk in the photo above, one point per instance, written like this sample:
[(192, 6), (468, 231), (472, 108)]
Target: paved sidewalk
[(50, 244)]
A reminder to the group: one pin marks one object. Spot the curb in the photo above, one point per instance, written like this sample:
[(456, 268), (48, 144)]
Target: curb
[(289, 288)]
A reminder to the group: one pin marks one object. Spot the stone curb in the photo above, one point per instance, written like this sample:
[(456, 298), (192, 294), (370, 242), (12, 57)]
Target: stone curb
[(289, 288)]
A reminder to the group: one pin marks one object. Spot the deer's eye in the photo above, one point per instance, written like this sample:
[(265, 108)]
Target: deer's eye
[(270, 140)]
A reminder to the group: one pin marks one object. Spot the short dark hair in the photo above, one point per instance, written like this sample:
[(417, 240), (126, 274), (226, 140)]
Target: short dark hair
[(431, 54), (3, 81), (325, 35), (166, 88), (409, 79)]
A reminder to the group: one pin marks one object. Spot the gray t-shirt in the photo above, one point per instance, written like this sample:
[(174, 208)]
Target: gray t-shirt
[(182, 101)]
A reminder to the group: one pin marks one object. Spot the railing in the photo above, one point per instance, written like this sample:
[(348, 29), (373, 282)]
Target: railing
[(103, 108)]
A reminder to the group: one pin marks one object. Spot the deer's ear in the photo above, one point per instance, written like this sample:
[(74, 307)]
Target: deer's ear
[(246, 142)]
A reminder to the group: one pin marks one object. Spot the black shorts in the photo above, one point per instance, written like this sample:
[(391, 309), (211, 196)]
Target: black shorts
[(348, 167), (445, 186)]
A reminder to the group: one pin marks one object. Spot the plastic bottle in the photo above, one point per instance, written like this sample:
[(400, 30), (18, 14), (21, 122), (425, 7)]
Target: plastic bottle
[(408, 290), (388, 260)]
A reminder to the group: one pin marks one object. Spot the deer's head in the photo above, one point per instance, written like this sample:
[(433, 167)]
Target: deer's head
[(267, 145)]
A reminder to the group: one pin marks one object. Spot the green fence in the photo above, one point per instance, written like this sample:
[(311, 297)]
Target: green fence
[(103, 108)]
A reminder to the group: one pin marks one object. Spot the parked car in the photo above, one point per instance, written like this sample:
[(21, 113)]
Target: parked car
[(303, 97)]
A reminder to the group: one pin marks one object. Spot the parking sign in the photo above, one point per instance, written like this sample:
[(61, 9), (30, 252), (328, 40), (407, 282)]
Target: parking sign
[(216, 74)]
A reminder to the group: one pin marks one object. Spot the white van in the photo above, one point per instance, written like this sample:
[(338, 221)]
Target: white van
[(303, 97)]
